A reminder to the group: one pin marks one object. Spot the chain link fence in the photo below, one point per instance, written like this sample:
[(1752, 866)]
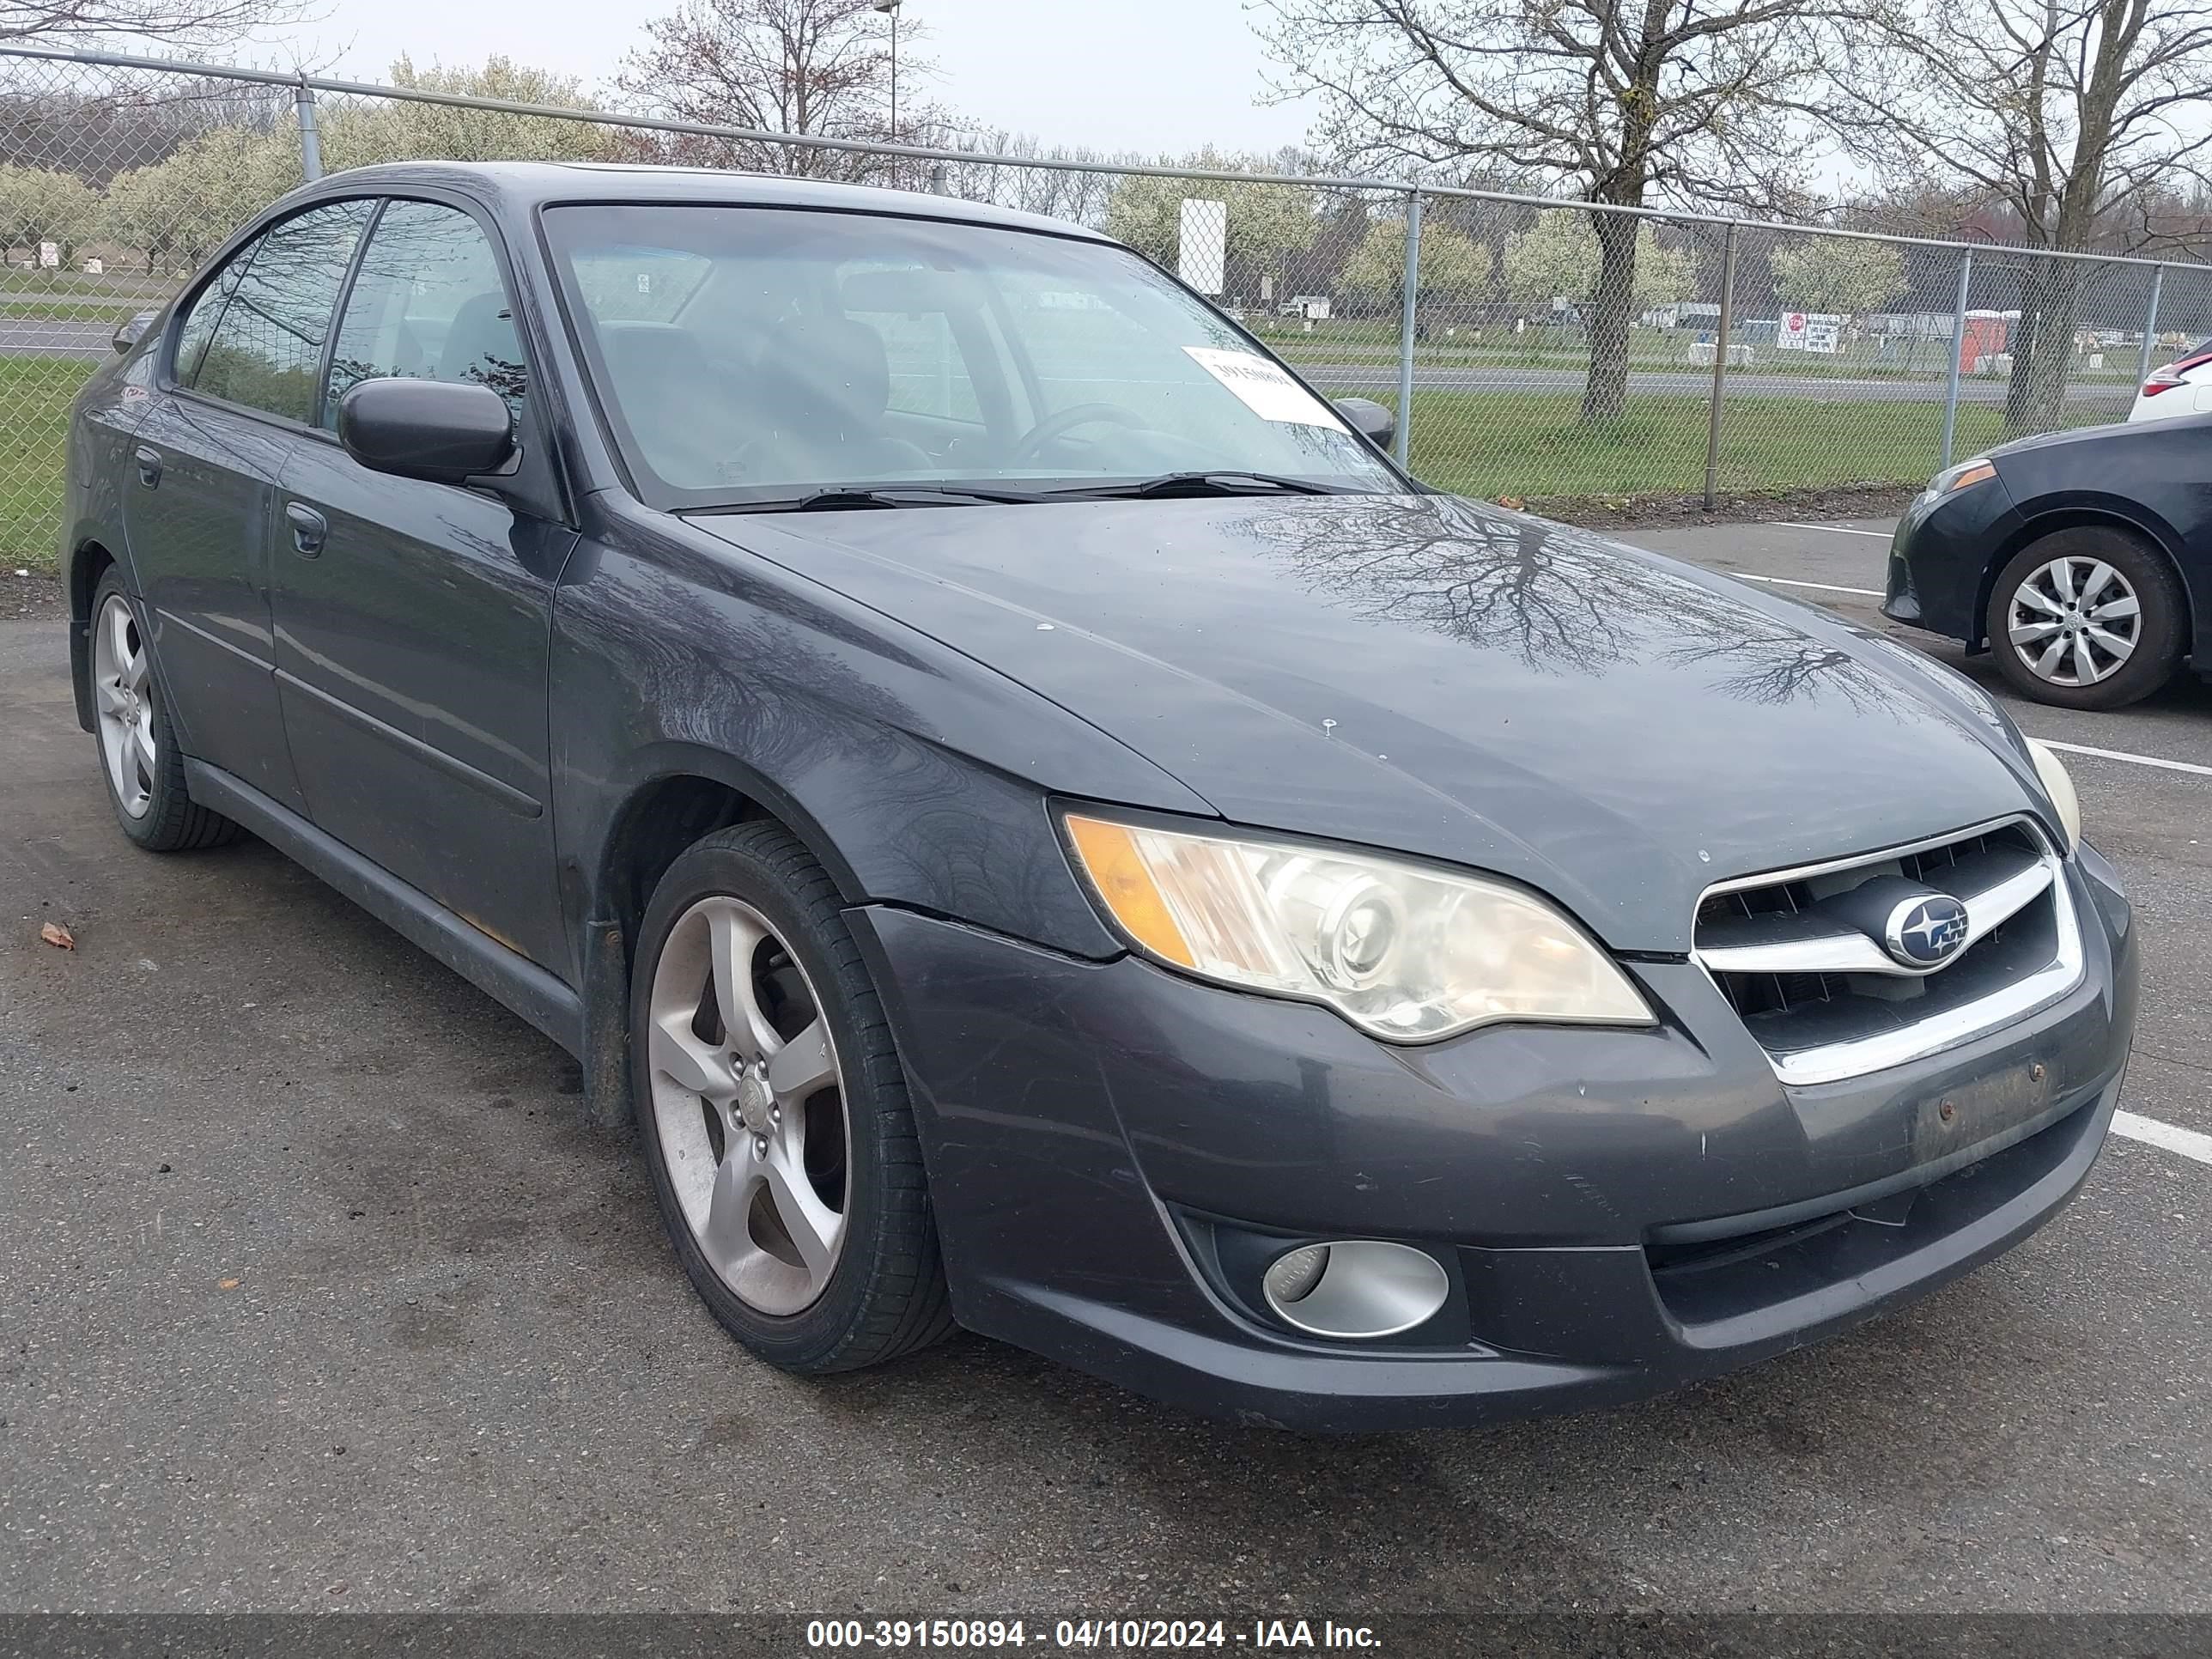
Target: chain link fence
[(1543, 352)]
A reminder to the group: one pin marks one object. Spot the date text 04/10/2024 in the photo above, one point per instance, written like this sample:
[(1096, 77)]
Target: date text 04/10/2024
[(1112, 1634)]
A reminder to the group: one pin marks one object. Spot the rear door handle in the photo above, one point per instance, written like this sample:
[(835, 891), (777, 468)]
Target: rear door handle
[(309, 527), (149, 466)]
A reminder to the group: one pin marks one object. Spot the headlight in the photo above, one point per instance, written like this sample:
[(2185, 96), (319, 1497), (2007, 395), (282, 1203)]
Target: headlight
[(2059, 786), (1405, 953), (1975, 472)]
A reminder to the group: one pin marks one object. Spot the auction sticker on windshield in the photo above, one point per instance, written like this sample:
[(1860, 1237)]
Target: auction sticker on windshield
[(1265, 389)]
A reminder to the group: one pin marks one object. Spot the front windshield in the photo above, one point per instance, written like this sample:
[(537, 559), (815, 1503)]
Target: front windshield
[(746, 354)]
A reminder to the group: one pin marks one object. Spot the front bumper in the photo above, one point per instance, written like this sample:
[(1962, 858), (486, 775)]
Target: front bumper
[(1619, 1211), (1942, 557)]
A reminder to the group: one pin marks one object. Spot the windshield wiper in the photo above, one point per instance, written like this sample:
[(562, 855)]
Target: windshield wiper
[(881, 496), (1217, 482)]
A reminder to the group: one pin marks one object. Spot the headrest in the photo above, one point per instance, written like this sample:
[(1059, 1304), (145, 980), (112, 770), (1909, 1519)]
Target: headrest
[(480, 344)]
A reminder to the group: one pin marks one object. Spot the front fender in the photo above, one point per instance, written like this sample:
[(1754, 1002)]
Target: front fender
[(918, 776)]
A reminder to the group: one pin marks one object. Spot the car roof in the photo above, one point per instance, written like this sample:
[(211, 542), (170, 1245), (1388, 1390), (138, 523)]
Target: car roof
[(522, 185)]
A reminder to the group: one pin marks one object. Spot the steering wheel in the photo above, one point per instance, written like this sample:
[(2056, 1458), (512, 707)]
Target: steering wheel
[(1058, 426)]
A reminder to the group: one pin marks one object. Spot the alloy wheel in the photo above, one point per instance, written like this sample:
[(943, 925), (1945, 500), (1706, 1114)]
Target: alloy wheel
[(123, 692), (2074, 621), (749, 1105)]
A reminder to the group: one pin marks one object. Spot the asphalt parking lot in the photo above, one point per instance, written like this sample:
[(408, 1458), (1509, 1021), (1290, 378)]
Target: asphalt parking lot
[(320, 1293)]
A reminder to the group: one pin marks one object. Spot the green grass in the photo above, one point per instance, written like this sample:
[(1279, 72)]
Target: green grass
[(34, 400), (1532, 444), (74, 311), (16, 281)]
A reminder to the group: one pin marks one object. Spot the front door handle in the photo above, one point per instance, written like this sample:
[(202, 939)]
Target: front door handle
[(308, 527), (150, 465)]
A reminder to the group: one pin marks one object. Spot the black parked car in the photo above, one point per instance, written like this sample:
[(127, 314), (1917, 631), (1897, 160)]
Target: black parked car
[(1047, 829), (2079, 559)]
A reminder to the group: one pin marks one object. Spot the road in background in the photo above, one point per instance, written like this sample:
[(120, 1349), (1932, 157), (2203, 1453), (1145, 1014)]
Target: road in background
[(1698, 383), (322, 1295), (39, 337)]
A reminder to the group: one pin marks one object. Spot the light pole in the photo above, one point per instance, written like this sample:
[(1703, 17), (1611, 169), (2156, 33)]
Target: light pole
[(890, 9)]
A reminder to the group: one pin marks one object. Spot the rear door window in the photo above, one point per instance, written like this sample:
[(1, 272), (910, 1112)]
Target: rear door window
[(205, 312), (267, 351)]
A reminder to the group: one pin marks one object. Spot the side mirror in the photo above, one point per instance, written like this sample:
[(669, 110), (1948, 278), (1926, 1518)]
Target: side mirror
[(1369, 419), (437, 430), (128, 334)]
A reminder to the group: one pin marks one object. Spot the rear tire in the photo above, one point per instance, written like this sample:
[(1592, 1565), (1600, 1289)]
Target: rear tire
[(139, 759), (2090, 618), (772, 1110)]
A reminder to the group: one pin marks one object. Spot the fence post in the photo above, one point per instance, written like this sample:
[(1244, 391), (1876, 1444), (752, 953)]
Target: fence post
[(1957, 351), (2150, 325), (1408, 323), (1720, 366), (311, 142)]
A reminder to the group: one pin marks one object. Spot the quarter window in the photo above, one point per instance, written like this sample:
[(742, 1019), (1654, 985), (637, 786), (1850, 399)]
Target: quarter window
[(267, 351), (427, 304), (206, 312)]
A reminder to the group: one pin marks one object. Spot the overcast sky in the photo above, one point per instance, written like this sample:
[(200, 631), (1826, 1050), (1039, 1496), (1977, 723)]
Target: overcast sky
[(1155, 76)]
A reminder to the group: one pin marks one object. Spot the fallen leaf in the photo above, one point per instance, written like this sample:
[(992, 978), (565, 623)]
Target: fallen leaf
[(226, 1285), (55, 934)]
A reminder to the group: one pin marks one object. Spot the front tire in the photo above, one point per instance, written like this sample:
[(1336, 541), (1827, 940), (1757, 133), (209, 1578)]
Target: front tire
[(139, 759), (772, 1110), (2090, 618)]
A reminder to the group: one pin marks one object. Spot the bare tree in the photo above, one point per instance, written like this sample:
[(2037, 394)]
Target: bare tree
[(1080, 193), (180, 23), (2081, 119), (814, 68), (1615, 100)]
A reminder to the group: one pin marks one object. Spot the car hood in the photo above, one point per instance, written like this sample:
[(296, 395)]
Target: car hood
[(2071, 438), (1437, 677)]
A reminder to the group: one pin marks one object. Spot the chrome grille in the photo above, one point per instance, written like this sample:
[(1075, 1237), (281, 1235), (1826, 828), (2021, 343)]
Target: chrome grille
[(1827, 1001)]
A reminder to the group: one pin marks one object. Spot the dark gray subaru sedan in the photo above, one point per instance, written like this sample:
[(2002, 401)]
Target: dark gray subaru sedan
[(1046, 830)]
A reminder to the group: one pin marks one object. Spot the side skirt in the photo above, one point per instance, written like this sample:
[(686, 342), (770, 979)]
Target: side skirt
[(513, 981)]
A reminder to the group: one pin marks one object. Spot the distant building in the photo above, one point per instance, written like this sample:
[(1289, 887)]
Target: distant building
[(1684, 313)]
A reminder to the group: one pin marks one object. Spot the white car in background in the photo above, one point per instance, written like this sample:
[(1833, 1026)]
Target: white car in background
[(2183, 386)]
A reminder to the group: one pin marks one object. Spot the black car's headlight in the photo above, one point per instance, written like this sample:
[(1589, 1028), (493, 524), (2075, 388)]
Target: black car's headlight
[(1406, 953), (2058, 784), (1965, 476)]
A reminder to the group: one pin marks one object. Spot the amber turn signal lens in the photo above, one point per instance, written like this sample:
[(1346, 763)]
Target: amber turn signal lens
[(1109, 853)]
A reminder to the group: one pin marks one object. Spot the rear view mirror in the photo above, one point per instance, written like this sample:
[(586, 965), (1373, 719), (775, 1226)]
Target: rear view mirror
[(1369, 419), (128, 334), (441, 431)]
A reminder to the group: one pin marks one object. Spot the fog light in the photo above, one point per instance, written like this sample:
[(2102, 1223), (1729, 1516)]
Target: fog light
[(1293, 1277), (1356, 1289)]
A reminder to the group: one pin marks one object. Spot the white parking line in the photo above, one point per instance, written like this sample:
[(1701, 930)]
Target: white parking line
[(1784, 581), (2190, 1143), (1838, 529), (2137, 760)]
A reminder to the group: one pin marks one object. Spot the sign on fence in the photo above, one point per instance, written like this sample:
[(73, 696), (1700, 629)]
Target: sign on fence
[(1808, 331), (1202, 245)]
